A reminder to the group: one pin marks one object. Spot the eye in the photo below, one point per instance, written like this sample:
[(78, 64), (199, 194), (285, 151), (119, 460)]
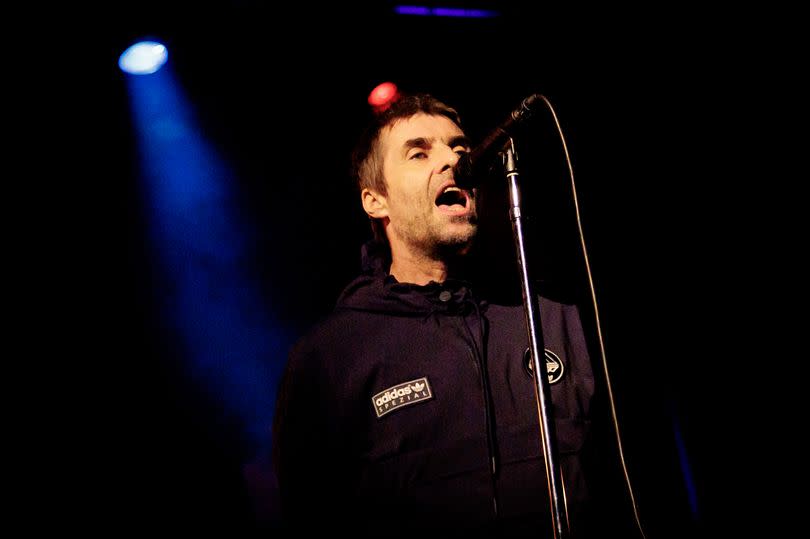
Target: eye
[(461, 150), (418, 155)]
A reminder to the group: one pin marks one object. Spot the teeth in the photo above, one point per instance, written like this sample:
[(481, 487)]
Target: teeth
[(451, 188)]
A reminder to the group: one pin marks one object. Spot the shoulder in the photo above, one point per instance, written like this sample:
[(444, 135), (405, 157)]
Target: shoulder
[(546, 303), (336, 335), (561, 320), (564, 309), (327, 331)]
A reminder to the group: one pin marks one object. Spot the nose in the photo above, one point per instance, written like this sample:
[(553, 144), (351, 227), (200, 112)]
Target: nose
[(449, 158)]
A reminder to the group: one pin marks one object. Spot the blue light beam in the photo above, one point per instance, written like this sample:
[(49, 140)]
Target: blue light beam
[(686, 468), (210, 300)]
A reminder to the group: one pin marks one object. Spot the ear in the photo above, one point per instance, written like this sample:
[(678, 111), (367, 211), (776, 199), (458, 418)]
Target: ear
[(375, 204)]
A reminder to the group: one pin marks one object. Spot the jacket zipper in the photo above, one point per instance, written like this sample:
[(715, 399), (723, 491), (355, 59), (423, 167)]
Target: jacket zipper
[(481, 367)]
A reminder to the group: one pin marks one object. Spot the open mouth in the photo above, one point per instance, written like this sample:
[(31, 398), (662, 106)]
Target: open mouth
[(453, 199)]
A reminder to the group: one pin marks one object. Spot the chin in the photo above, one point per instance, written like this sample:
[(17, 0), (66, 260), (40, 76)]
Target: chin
[(458, 243)]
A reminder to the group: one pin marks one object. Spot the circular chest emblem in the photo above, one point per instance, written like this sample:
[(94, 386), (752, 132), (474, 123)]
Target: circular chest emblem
[(554, 365)]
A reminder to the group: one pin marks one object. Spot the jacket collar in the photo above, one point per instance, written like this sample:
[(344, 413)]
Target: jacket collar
[(377, 290)]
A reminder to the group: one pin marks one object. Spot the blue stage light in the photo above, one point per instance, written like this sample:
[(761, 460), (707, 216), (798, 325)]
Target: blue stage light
[(143, 58)]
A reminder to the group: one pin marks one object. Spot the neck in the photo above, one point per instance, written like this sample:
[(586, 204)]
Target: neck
[(408, 267)]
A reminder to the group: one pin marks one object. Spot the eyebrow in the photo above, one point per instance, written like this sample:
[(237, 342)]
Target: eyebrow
[(424, 143)]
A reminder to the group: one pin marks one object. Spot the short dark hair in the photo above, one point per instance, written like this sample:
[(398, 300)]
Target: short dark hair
[(367, 168)]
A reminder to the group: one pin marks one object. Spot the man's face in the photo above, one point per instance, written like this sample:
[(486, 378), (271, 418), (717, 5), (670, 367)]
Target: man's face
[(427, 212)]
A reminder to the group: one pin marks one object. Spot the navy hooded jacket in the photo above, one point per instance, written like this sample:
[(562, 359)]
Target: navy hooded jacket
[(412, 409)]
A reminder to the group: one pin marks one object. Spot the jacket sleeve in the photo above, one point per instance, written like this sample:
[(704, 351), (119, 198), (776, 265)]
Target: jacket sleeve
[(305, 456)]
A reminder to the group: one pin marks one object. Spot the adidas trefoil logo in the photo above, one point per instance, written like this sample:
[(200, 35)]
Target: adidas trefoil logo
[(401, 395)]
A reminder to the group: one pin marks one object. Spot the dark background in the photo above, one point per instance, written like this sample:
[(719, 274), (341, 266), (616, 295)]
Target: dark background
[(660, 138)]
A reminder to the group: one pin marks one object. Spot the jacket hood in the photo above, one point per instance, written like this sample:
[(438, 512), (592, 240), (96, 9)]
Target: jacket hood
[(375, 290)]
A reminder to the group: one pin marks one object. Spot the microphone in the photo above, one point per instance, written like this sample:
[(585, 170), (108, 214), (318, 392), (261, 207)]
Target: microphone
[(472, 166)]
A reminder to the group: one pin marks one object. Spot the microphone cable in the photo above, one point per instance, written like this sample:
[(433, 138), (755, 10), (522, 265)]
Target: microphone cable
[(600, 340)]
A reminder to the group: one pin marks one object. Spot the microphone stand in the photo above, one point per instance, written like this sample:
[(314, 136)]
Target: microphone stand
[(534, 326)]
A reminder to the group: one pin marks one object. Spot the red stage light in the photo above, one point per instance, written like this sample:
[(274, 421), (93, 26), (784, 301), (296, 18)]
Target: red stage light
[(383, 95)]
